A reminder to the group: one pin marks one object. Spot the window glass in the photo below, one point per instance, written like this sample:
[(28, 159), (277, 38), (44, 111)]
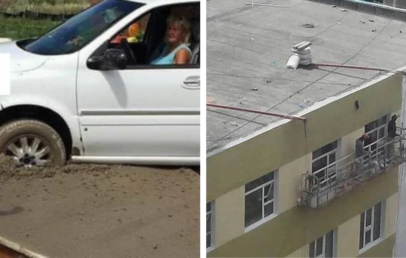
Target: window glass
[(81, 29)]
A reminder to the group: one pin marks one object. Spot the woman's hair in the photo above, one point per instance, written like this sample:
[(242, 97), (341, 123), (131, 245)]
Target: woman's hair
[(184, 24)]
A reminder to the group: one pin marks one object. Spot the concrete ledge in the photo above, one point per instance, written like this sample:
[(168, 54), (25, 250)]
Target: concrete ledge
[(6, 252), (19, 249), (4, 40), (386, 11)]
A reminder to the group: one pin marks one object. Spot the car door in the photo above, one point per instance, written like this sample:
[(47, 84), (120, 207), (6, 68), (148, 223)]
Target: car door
[(148, 111)]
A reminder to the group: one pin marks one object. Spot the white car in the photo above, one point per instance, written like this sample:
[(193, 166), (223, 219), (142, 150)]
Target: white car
[(78, 94)]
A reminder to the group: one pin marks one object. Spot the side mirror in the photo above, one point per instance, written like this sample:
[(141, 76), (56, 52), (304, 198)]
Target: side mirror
[(111, 60), (116, 58), (95, 62)]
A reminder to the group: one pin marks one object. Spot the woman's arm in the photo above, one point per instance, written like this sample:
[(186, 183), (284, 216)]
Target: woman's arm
[(182, 57)]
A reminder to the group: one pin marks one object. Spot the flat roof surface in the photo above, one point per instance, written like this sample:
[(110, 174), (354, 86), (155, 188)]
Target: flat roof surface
[(91, 211), (248, 48)]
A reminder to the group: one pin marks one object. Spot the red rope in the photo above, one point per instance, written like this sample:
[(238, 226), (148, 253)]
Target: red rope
[(296, 117)]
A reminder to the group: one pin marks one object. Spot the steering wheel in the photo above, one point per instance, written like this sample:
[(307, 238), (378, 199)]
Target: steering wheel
[(128, 52)]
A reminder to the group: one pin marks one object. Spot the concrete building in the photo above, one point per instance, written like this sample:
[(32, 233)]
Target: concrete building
[(395, 3), (288, 188)]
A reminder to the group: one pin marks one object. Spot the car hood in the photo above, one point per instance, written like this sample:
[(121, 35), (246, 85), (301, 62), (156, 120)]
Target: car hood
[(21, 60)]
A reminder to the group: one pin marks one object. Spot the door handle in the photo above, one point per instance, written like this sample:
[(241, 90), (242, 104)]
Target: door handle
[(192, 82)]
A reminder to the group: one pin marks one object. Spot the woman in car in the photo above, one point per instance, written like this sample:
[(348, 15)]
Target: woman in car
[(177, 40)]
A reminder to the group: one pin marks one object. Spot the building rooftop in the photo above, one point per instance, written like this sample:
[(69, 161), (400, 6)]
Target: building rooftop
[(248, 48)]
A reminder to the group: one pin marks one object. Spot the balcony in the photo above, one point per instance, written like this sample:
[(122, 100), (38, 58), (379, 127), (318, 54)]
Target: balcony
[(347, 173)]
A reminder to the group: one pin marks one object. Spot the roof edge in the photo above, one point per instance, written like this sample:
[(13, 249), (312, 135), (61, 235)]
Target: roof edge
[(382, 10), (379, 77), (20, 249)]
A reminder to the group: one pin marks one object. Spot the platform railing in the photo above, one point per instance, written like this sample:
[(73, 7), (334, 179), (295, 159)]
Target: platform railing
[(349, 172)]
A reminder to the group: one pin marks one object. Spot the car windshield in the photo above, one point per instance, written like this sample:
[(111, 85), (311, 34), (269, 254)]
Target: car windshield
[(81, 29)]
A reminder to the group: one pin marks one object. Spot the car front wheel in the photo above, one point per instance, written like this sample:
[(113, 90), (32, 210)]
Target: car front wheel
[(32, 143)]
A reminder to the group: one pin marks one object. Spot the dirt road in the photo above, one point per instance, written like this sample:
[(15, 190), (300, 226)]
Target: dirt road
[(101, 211)]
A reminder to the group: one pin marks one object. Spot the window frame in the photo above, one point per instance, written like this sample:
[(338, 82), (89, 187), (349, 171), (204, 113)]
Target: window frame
[(264, 218), (334, 251), (330, 169), (372, 243), (379, 140), (211, 213)]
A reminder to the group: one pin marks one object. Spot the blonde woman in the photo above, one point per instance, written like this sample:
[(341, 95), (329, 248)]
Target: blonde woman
[(177, 40)]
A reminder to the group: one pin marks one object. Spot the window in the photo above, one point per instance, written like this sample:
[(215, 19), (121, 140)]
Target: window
[(209, 225), (323, 246), (259, 199), (323, 165), (135, 32), (377, 133), (144, 40), (371, 226), (81, 29)]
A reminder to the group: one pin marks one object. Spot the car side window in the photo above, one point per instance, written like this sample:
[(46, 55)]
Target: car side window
[(167, 37), (135, 32)]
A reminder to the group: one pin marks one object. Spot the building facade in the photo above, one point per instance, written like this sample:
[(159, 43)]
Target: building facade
[(395, 3), (294, 189)]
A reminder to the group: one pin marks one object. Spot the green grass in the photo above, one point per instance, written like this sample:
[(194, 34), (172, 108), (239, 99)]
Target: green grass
[(18, 28), (44, 6)]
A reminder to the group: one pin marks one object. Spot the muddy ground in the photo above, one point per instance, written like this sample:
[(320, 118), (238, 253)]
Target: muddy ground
[(101, 210)]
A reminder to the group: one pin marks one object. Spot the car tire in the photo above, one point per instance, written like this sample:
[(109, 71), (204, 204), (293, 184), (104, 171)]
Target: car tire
[(24, 135)]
